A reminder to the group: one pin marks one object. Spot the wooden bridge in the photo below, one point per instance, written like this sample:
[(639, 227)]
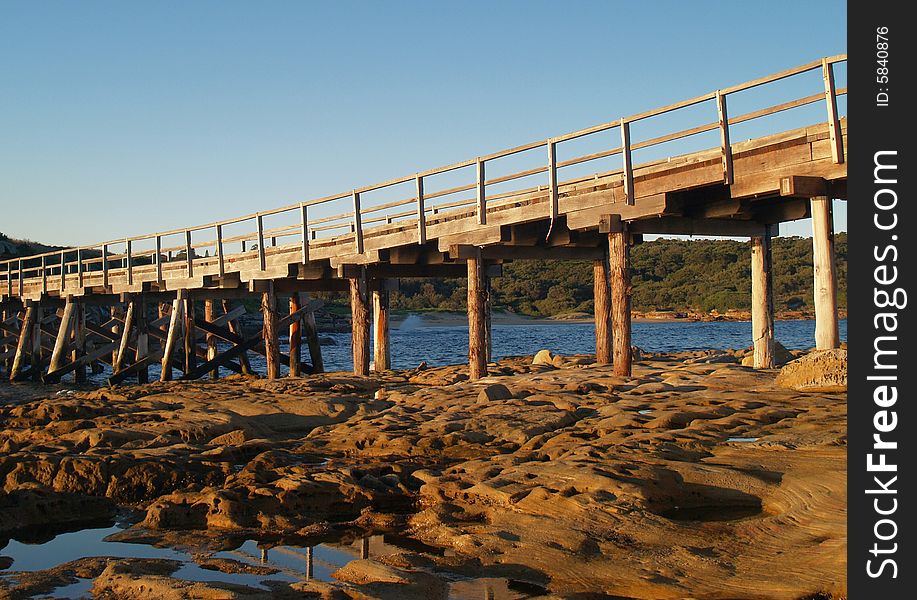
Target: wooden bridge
[(345, 242)]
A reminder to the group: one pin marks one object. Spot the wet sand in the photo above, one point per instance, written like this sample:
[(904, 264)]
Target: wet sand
[(696, 478)]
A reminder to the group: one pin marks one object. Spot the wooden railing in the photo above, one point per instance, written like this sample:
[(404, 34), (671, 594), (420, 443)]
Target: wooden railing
[(74, 263)]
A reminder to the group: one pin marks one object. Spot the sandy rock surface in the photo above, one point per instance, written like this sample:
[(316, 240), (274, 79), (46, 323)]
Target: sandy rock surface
[(696, 477)]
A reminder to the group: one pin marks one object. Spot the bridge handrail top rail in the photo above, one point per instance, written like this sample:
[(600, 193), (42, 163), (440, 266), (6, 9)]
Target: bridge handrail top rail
[(828, 60)]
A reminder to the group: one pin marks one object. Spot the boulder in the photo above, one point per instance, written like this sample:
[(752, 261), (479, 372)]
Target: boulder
[(781, 356), (496, 391), (543, 357), (819, 371)]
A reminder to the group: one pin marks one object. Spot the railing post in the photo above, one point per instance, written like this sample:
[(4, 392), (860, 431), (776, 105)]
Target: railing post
[(629, 196), (304, 231), (189, 258), (834, 126), (723, 116), (357, 223), (159, 259), (421, 212), (482, 195), (79, 267), (105, 265), (9, 279), (44, 276), (552, 179), (19, 272), (130, 267), (219, 250), (262, 263)]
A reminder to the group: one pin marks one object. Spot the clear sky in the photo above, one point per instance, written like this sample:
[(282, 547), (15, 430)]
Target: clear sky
[(123, 118)]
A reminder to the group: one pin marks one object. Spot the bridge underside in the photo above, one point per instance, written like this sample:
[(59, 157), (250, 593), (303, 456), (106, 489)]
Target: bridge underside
[(152, 314)]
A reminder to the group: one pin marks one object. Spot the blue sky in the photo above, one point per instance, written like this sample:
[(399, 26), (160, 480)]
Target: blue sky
[(123, 118)]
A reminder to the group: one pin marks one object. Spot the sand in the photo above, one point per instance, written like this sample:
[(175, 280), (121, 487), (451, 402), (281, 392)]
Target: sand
[(696, 477)]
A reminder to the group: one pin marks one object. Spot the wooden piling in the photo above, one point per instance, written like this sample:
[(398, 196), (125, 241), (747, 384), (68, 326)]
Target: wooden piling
[(23, 346), (826, 332), (359, 313), (311, 333), (211, 339), (762, 301), (382, 355), (116, 328), (295, 338), (190, 334), (269, 331), (619, 277), (36, 353), (121, 353), (602, 312), (477, 344), (172, 335), (143, 339), (79, 342), (488, 322)]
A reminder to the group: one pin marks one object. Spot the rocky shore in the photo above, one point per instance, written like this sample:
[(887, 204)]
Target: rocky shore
[(697, 477)]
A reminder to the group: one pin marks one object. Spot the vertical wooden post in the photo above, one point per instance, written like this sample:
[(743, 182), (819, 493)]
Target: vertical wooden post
[(115, 328), (630, 198), (304, 232), (481, 193), (175, 319), (421, 212), (129, 266), (235, 328), (211, 339), (120, 354), (619, 276), (359, 313), (262, 261), (79, 341), (488, 322), (552, 179), (143, 337), (834, 126), (826, 333), (158, 259), (269, 331), (190, 332), (762, 301), (602, 311), (295, 338), (477, 345), (382, 355), (63, 335), (221, 265), (311, 334), (357, 224), (725, 145), (36, 354), (23, 346)]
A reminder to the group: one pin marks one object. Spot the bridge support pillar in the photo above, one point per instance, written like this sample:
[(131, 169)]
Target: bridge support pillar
[(382, 354), (36, 355), (271, 343), (23, 345), (311, 333), (488, 311), (120, 355), (143, 338), (826, 333), (359, 313), (602, 311), (619, 276), (211, 339), (79, 342), (762, 301), (477, 309), (190, 341), (172, 335), (295, 338)]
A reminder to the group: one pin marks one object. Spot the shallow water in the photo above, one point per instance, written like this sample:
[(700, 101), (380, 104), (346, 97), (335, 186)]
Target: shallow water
[(413, 342), (293, 563)]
